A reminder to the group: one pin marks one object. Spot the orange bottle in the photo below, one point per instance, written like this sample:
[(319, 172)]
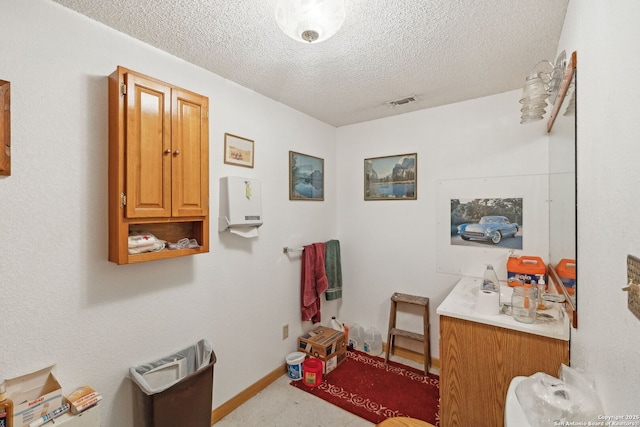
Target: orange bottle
[(346, 333)]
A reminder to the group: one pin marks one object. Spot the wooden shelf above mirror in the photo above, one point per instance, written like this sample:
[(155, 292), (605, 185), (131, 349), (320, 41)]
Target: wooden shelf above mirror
[(562, 90), (5, 128)]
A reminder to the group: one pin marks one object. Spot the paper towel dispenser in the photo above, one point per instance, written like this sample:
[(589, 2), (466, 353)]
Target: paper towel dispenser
[(240, 206)]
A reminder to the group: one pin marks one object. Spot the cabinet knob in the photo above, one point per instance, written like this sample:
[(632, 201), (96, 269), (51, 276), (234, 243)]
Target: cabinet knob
[(167, 151), (175, 153)]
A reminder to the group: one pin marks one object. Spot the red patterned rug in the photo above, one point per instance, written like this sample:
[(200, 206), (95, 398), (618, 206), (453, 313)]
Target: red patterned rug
[(367, 387)]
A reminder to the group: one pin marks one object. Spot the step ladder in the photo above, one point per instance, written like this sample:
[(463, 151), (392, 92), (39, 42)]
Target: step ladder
[(395, 332)]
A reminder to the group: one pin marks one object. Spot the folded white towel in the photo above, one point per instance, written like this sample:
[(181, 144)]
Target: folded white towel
[(155, 247), (143, 241), (139, 239)]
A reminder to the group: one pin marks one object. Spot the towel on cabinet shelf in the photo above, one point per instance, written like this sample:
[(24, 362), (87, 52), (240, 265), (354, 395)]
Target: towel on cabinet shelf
[(333, 269), (143, 241), (313, 281)]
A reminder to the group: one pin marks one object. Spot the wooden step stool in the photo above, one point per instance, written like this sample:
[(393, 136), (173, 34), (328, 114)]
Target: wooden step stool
[(393, 331)]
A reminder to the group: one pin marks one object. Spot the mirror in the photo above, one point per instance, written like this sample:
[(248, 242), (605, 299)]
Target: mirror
[(562, 189)]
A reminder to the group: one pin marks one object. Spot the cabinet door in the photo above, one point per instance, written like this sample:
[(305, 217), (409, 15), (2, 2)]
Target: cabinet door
[(190, 144), (148, 148), (478, 363)]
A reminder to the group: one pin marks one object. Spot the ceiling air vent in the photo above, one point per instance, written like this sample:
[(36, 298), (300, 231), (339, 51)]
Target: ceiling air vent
[(401, 101)]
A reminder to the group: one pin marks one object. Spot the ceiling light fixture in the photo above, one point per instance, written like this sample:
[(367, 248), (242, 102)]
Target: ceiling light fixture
[(542, 83), (310, 21)]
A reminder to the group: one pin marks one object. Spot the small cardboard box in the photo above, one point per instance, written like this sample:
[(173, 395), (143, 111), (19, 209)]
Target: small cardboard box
[(332, 362), (326, 344), (34, 395)]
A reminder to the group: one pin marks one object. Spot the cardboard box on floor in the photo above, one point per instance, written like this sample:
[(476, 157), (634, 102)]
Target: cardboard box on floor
[(34, 395), (326, 344)]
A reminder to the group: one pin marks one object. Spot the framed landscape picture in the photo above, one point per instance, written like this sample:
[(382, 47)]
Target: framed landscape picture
[(238, 150), (306, 177), (391, 177)]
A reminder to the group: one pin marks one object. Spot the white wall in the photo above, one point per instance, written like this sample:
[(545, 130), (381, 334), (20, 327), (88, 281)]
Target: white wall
[(393, 246), (62, 301), (606, 342)]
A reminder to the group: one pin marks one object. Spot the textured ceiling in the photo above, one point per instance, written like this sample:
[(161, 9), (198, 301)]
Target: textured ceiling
[(440, 51)]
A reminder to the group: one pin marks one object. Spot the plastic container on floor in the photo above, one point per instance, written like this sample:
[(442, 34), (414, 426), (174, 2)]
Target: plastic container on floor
[(312, 372), (373, 342), (295, 361), (356, 337)]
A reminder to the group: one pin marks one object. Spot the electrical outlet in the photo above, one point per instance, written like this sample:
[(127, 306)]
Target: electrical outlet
[(285, 332)]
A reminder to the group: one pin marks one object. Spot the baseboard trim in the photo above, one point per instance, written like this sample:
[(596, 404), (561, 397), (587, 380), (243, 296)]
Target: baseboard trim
[(226, 408), (221, 411), (411, 355)]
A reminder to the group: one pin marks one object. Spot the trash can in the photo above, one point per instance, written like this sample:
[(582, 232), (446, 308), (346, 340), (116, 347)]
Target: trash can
[(176, 390)]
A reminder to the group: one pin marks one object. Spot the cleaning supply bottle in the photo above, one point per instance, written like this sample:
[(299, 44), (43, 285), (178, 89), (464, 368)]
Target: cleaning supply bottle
[(542, 287), (346, 333), (334, 324), (6, 408), (490, 280)]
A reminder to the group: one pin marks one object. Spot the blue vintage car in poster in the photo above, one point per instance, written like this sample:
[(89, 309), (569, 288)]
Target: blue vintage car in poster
[(492, 228)]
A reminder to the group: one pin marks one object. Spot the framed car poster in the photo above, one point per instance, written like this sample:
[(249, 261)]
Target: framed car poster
[(485, 220), (491, 221)]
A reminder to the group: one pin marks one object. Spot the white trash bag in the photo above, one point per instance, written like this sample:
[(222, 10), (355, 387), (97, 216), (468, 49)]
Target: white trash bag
[(547, 400)]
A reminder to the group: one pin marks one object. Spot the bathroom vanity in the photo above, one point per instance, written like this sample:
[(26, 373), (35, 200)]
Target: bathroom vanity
[(480, 355)]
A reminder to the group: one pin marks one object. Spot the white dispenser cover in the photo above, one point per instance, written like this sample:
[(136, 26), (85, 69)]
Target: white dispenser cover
[(240, 206)]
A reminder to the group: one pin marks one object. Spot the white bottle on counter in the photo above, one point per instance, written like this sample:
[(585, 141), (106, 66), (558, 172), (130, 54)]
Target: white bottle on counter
[(490, 280)]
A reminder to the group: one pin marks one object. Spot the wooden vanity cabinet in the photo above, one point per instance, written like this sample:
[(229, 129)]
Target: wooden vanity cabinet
[(158, 165), (478, 361)]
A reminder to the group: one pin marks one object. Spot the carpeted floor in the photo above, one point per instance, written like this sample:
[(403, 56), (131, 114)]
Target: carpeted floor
[(373, 390), (280, 405)]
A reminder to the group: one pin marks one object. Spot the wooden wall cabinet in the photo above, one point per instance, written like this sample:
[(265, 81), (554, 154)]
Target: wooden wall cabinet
[(478, 361), (158, 165)]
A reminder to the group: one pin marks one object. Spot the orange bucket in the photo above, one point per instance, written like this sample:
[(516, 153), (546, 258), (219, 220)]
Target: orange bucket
[(524, 267), (312, 376)]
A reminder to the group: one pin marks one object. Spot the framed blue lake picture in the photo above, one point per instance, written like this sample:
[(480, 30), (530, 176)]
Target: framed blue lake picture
[(306, 177), (391, 177)]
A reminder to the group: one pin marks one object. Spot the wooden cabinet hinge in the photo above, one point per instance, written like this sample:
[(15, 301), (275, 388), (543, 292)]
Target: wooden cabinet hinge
[(123, 200), (123, 89)]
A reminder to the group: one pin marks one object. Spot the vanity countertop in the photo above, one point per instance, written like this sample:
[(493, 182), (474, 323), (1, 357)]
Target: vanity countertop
[(461, 302)]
